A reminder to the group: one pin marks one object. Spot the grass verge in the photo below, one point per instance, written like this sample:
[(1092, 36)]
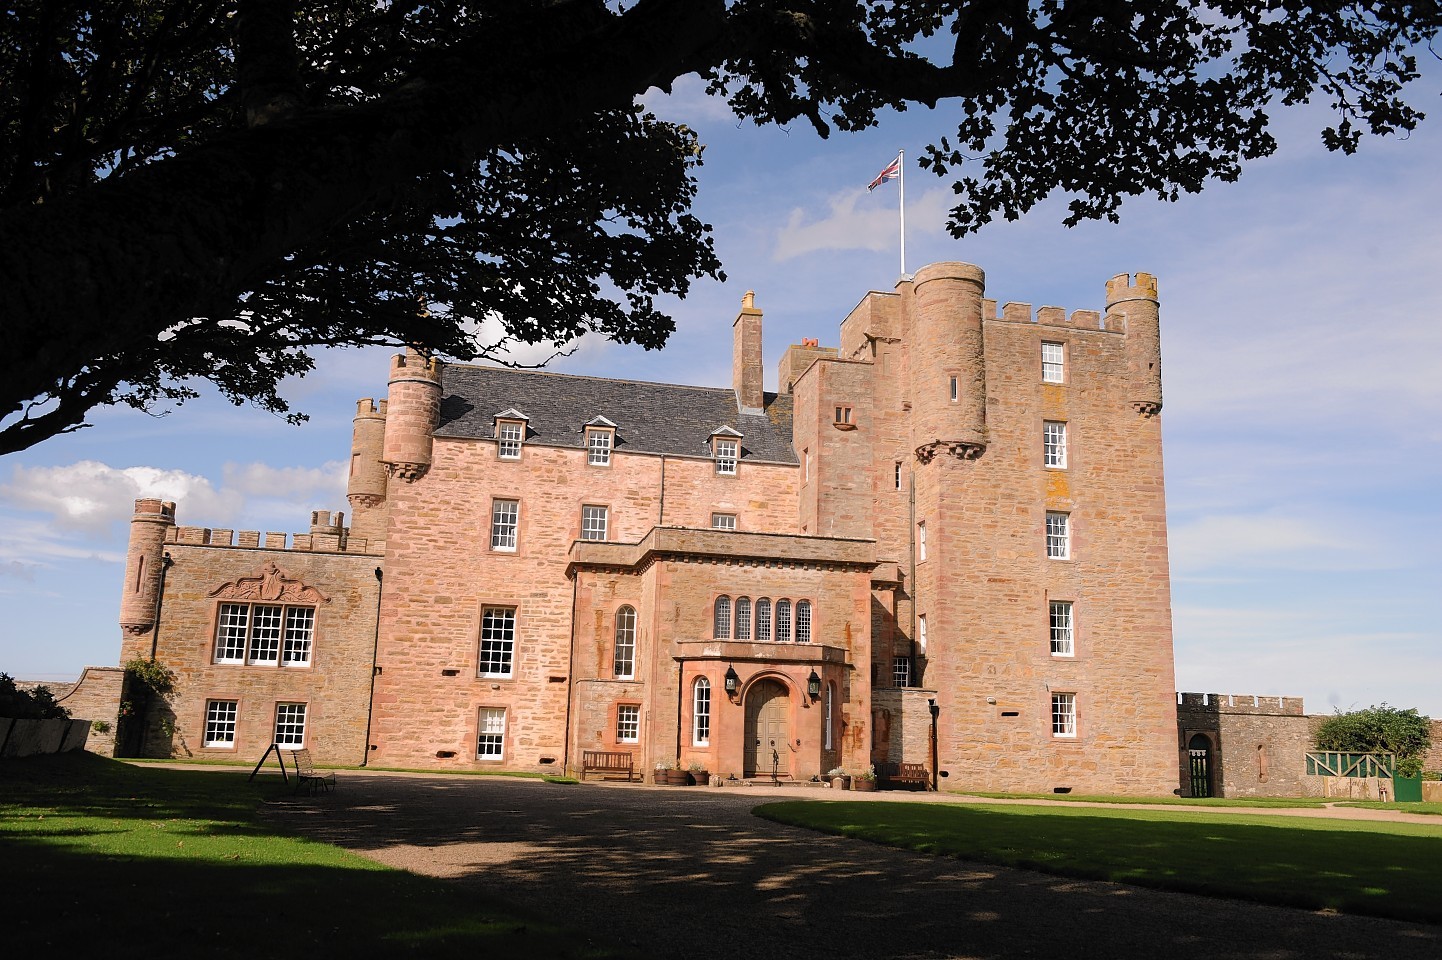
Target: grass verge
[(1381, 869), (1428, 807), (1158, 801), (156, 863)]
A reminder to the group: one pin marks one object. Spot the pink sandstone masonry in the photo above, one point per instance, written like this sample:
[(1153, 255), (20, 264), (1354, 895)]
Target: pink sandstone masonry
[(957, 504)]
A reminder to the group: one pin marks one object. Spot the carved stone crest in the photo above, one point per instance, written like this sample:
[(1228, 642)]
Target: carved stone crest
[(269, 584)]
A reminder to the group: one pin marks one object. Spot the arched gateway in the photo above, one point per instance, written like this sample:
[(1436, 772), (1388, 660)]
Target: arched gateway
[(768, 706)]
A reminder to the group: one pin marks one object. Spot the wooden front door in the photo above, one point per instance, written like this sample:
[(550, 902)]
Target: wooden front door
[(767, 708)]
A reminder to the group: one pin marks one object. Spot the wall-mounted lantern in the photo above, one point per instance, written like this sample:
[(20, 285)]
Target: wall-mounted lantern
[(813, 685), (733, 681)]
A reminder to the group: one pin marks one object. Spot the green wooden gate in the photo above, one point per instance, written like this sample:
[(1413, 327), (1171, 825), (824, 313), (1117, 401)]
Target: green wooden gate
[(1330, 763), (1407, 789)]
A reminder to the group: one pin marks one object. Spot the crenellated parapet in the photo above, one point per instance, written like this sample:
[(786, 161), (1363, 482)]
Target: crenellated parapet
[(1012, 312), (326, 538), (1234, 703)]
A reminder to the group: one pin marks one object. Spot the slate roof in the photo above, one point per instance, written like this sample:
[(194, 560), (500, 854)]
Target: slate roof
[(650, 417)]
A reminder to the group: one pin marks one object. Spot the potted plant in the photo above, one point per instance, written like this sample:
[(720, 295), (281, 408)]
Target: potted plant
[(677, 776), (700, 774), (865, 780), (662, 774), (840, 779)]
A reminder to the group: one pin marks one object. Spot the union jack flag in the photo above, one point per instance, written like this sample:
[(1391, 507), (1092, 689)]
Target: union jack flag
[(892, 171)]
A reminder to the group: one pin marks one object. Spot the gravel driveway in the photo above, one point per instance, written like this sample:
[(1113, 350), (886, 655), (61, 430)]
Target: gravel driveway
[(691, 873)]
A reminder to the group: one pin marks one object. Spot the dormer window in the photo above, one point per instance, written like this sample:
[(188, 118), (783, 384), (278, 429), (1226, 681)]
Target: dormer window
[(726, 450), (726, 454), (600, 438), (510, 433)]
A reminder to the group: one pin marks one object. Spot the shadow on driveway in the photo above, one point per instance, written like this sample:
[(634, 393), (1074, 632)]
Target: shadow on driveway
[(672, 873)]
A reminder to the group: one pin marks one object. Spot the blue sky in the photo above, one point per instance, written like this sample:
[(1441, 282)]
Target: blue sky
[(1301, 324)]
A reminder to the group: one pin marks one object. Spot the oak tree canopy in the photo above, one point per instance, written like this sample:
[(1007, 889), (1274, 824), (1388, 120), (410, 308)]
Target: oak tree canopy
[(207, 189)]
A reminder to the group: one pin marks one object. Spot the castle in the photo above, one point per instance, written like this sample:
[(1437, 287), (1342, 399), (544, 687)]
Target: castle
[(943, 541)]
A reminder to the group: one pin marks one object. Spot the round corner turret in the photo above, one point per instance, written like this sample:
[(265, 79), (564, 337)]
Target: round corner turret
[(150, 525), (1136, 303), (412, 411), (948, 368)]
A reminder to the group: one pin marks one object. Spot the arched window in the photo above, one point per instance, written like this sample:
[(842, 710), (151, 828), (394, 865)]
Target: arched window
[(743, 618), (723, 618), (701, 713), (803, 621), (826, 718), (763, 620), (783, 621), (624, 665)]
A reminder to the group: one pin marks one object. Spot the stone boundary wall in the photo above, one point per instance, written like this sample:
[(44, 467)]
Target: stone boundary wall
[(1432, 762), (1259, 744), (27, 738), (1259, 747), (94, 696)]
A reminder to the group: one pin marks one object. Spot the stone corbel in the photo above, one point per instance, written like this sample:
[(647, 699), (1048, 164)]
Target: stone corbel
[(960, 449)]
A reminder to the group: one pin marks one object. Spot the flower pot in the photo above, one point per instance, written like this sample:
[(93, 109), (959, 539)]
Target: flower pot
[(661, 778), (863, 786), (701, 778), (677, 778)]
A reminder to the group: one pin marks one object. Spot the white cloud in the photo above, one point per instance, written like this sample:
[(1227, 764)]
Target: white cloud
[(91, 496), (1319, 655), (84, 504), (852, 225), (1272, 540), (292, 484), (18, 570), (36, 544), (688, 103)]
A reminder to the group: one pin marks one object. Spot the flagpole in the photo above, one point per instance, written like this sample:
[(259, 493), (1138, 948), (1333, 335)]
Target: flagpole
[(901, 204)]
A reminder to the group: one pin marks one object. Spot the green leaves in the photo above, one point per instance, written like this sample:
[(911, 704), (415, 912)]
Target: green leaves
[(1380, 729), (426, 170)]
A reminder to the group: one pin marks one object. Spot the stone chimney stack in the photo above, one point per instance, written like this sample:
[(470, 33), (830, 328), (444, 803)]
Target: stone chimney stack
[(746, 356)]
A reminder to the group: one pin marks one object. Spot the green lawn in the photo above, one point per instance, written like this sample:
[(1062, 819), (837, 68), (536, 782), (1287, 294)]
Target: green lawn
[(1159, 801), (1433, 808), (1382, 869), (161, 863)]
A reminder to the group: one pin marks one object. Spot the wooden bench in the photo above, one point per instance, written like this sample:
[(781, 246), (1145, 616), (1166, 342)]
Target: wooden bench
[(903, 774), (307, 777), (607, 762)]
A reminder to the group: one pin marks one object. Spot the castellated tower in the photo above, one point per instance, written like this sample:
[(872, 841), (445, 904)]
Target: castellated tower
[(366, 486), (746, 356), (1136, 303), (413, 409), (144, 561), (948, 367)]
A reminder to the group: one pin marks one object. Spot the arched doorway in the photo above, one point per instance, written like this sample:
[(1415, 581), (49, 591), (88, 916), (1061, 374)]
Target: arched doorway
[(768, 706), (1199, 750)]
